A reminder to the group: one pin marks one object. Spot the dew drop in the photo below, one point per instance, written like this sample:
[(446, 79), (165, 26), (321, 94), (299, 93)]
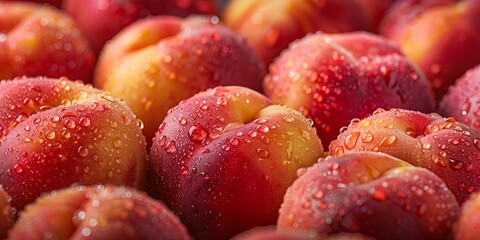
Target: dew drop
[(367, 137), (50, 135), (18, 168), (288, 119), (82, 151), (387, 141), (476, 142), (379, 194), (263, 153), (234, 142), (182, 121), (263, 128), (70, 124), (454, 164), (84, 122), (197, 133), (318, 195), (117, 142), (171, 147), (351, 140)]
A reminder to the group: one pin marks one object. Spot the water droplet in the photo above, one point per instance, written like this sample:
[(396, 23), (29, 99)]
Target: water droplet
[(182, 121), (171, 147), (338, 151), (234, 142), (379, 194), (432, 128), (50, 135), (260, 120), (55, 118), (117, 142), (318, 195), (18, 168), (252, 134), (82, 151), (263, 128), (84, 122), (476, 142), (351, 140), (288, 119), (265, 139), (263, 153), (197, 133), (70, 124), (387, 141), (367, 137), (455, 164)]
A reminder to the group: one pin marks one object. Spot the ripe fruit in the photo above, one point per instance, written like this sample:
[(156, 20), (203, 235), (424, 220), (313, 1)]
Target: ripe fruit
[(98, 212), (369, 193), (332, 78), (442, 37), (444, 146), (54, 133), (462, 99), (155, 63), (271, 25), (223, 159)]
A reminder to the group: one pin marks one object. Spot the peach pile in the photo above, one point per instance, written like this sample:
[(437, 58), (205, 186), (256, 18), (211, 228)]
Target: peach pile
[(240, 119)]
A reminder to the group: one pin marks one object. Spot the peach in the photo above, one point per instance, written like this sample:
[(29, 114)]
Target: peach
[(54, 133), (98, 212), (223, 159), (441, 37), (271, 25), (40, 40), (446, 147), (466, 228), (6, 214), (332, 78), (370, 193), (462, 100), (155, 63), (103, 19)]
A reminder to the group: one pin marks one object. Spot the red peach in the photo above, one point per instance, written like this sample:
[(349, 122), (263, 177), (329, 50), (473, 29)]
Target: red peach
[(442, 145), (332, 78), (40, 40), (441, 37), (99, 212), (54, 133), (370, 193), (462, 100), (155, 63), (271, 25), (103, 19), (223, 159)]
